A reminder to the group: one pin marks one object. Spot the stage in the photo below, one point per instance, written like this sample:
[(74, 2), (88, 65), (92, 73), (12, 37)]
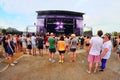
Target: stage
[(59, 22)]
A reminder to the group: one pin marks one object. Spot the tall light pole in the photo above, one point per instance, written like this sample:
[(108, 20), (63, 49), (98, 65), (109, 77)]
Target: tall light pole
[(35, 26), (27, 29), (31, 26)]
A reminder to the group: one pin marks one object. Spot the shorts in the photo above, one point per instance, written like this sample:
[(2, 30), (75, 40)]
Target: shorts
[(5, 48), (72, 49), (114, 45), (93, 58), (9, 51), (67, 47), (87, 44), (15, 44), (24, 45), (52, 50), (47, 47), (40, 47), (118, 50), (62, 52), (29, 47), (33, 45)]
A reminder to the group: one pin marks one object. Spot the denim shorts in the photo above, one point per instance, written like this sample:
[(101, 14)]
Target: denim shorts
[(72, 49)]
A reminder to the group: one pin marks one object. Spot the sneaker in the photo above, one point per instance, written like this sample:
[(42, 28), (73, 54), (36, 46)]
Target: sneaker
[(15, 62), (7, 58), (95, 71), (12, 64), (88, 72), (52, 61), (101, 70), (25, 53), (60, 61)]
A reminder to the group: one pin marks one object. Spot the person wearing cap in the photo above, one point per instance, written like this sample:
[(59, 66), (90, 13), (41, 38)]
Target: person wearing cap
[(94, 50), (73, 47), (106, 51), (52, 48)]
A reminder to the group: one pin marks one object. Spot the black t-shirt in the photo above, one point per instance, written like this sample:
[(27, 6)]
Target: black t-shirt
[(4, 41), (40, 41)]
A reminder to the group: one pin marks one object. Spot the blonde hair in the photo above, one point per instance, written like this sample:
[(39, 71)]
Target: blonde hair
[(73, 35)]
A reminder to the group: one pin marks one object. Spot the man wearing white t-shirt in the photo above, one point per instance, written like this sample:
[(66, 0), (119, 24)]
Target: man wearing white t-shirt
[(33, 40), (106, 51), (94, 50)]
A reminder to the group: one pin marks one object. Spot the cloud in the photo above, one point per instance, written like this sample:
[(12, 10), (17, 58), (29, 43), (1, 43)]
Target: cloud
[(5, 24), (98, 13), (30, 6)]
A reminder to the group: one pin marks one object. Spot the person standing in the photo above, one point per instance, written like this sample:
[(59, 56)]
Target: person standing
[(73, 47), (33, 41), (24, 43), (82, 42), (29, 44), (15, 42), (61, 48), (40, 42), (10, 50), (4, 40), (67, 42), (46, 43), (94, 50), (18, 43), (118, 48), (106, 51), (52, 48)]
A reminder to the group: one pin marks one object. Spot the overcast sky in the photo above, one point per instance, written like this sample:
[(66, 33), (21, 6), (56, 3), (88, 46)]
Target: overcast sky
[(99, 14)]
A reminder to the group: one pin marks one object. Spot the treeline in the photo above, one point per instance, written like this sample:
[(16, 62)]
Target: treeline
[(10, 31)]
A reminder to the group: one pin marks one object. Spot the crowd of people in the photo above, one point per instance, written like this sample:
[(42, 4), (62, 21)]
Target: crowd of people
[(98, 47)]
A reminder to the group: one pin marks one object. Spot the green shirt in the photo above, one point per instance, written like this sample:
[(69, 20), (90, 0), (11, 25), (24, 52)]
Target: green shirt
[(51, 42)]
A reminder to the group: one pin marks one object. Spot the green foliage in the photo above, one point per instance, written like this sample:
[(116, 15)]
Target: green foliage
[(88, 33), (115, 34), (3, 31)]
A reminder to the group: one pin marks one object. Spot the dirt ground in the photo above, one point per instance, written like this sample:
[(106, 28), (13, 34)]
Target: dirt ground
[(39, 68)]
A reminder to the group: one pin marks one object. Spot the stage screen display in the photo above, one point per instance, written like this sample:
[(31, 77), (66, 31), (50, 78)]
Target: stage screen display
[(60, 25), (40, 26)]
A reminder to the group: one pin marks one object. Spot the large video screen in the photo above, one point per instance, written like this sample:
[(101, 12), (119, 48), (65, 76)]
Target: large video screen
[(60, 25)]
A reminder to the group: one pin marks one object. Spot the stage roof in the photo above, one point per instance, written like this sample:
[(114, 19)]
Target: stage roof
[(60, 12)]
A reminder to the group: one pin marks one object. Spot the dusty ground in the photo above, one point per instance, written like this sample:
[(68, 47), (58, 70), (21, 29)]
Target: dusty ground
[(39, 68)]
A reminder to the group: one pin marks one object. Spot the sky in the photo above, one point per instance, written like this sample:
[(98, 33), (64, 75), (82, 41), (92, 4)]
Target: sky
[(99, 14)]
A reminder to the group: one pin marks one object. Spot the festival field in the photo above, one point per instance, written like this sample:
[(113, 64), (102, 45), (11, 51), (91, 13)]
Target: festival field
[(39, 68)]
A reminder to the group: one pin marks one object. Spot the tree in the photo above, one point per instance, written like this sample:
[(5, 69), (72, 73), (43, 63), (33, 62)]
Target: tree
[(115, 34), (3, 31), (88, 33)]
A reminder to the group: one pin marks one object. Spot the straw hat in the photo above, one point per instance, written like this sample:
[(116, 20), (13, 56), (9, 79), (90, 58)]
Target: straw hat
[(51, 34), (73, 35), (47, 33)]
